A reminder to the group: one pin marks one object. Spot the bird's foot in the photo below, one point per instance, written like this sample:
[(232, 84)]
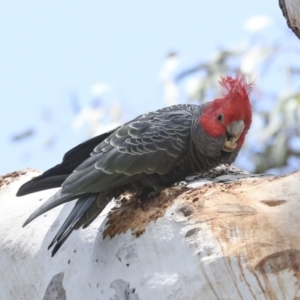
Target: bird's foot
[(153, 194), (143, 199)]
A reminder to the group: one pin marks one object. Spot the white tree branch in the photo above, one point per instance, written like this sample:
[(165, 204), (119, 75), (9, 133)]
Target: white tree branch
[(238, 240)]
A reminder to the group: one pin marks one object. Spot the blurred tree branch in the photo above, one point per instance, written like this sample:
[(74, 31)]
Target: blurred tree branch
[(291, 11)]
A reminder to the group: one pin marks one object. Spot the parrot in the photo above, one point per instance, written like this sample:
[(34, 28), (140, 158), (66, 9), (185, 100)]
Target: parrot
[(146, 155)]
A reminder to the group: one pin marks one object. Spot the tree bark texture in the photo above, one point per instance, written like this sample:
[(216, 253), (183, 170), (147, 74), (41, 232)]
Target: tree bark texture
[(232, 237)]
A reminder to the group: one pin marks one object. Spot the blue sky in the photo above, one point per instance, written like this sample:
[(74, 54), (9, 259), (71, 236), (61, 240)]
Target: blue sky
[(52, 51)]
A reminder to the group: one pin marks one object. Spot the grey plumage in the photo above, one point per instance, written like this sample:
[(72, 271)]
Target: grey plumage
[(146, 154)]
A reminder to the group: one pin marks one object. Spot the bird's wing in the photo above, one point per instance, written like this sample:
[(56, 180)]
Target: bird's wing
[(55, 176), (153, 143)]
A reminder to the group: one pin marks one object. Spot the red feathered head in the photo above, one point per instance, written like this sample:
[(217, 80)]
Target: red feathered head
[(230, 115)]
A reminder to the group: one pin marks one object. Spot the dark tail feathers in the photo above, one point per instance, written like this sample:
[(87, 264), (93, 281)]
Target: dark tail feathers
[(83, 214), (55, 176)]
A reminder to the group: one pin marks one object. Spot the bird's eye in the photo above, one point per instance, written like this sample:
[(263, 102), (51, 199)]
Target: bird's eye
[(220, 118)]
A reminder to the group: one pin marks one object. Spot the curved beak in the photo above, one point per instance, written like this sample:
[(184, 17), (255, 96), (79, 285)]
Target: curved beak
[(233, 133)]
